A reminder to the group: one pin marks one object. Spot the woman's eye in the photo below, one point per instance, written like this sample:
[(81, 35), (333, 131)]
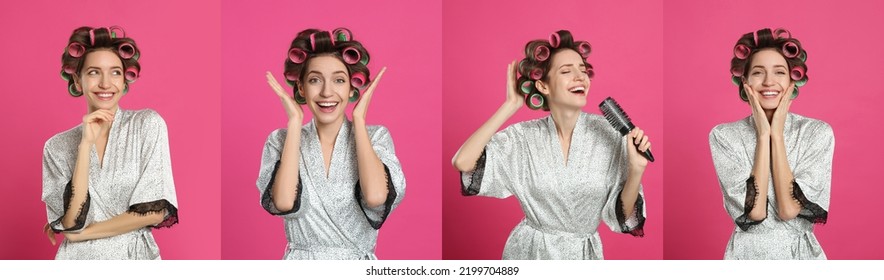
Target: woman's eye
[(756, 73), (340, 81), (313, 80), (92, 72), (118, 72)]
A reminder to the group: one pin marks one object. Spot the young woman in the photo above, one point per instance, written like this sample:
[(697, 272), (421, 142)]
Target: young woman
[(332, 180), (108, 181), (569, 170), (774, 167)]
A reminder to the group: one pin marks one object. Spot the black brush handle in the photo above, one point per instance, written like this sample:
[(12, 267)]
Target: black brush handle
[(621, 122)]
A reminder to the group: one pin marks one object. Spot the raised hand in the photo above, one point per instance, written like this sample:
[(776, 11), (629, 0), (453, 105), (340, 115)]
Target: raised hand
[(292, 109), (514, 99), (636, 159), (94, 122), (361, 108), (762, 125), (778, 122)]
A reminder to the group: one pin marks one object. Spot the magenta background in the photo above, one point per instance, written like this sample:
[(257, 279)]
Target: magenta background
[(403, 36), (481, 38), (844, 66), (179, 80)]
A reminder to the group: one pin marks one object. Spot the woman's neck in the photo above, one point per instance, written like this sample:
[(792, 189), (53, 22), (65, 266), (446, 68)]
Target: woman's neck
[(565, 121), (329, 132)]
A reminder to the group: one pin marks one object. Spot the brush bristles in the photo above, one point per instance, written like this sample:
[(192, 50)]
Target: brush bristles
[(616, 116)]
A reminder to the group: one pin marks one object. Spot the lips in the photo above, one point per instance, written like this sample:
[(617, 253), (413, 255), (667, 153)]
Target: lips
[(578, 90), (105, 96), (769, 93), (327, 106)]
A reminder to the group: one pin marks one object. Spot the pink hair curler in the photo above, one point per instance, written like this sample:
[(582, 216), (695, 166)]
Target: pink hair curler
[(76, 49), (737, 71), (584, 49), (755, 35), (116, 32), (92, 37), (781, 33), (742, 51), (69, 69), (313, 41), (797, 73), (291, 76), (541, 53), (357, 80), (131, 74), (590, 72), (126, 50), (351, 55), (342, 34), (554, 40), (536, 74), (790, 49), (297, 55)]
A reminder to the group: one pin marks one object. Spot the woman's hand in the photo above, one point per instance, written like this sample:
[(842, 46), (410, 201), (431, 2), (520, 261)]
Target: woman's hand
[(762, 126), (778, 122), (637, 161), (361, 108), (94, 122), (514, 99), (292, 108), (49, 233)]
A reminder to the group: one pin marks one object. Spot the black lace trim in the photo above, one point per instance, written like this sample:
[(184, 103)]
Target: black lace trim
[(80, 221), (157, 207), (388, 204), (475, 179), (743, 221), (809, 211), (638, 230), (267, 196)]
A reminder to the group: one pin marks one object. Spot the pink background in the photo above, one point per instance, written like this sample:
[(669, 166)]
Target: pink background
[(844, 66), (481, 38), (403, 36), (180, 62)]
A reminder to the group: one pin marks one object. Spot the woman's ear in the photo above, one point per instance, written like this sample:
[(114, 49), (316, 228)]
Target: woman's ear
[(542, 87), (76, 79)]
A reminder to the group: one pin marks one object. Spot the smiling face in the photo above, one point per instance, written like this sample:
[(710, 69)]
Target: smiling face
[(768, 75), (326, 88), (566, 84), (101, 80)]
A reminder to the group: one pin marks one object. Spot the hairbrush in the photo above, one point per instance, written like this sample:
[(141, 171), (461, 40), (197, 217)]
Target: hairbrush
[(620, 121)]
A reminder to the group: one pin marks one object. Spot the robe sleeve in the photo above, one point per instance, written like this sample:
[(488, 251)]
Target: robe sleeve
[(270, 160), (382, 143), (155, 188), (813, 174), (737, 186), (57, 188), (613, 212), (502, 165)]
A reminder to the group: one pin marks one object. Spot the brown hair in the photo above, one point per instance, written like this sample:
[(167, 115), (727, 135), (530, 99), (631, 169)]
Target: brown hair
[(780, 40), (85, 40), (536, 64), (339, 43)]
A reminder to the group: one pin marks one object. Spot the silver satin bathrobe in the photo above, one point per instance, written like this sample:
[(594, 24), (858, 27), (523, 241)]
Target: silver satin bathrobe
[(563, 204), (810, 145), (135, 176), (329, 220)]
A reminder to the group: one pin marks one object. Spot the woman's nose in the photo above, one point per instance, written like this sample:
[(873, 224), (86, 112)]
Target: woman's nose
[(104, 82)]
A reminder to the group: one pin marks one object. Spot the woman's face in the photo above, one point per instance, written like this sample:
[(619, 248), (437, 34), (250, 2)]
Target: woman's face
[(101, 80), (768, 75), (567, 82), (326, 88)]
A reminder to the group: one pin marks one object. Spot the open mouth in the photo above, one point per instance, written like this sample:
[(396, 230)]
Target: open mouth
[(578, 90), (105, 96), (769, 93), (327, 106)]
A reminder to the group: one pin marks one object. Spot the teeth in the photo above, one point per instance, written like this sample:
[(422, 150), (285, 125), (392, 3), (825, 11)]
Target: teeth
[(327, 104), (580, 89), (105, 95), (769, 93)]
